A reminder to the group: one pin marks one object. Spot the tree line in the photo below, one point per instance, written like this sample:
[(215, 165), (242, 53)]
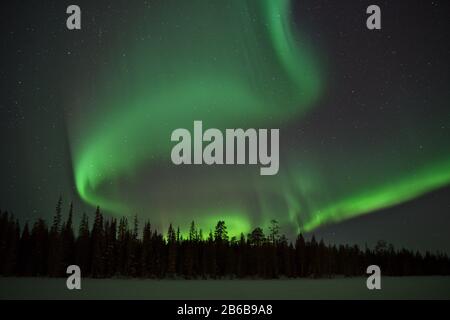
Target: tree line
[(117, 248)]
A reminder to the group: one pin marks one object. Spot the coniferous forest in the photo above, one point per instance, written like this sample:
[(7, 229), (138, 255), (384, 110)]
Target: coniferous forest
[(117, 248)]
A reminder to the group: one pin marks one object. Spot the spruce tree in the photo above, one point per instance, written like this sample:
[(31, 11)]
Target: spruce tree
[(55, 245), (97, 245), (172, 251)]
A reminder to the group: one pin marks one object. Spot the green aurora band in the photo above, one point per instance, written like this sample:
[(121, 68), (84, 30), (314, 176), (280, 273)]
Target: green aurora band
[(230, 64)]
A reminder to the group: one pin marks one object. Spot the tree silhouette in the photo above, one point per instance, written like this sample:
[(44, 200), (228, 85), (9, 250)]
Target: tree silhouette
[(274, 231), (55, 248), (68, 241), (172, 251), (97, 245), (114, 248), (82, 245)]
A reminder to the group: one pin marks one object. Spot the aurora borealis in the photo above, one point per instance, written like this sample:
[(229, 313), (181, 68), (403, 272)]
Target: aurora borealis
[(225, 85), (363, 115)]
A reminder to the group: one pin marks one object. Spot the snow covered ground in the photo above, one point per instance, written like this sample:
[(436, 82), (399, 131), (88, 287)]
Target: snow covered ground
[(340, 288)]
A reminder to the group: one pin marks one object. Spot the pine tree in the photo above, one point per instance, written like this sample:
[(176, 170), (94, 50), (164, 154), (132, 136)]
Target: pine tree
[(97, 245), (57, 217), (123, 238), (210, 253), (40, 245), (171, 236), (220, 232), (68, 241), (82, 246), (256, 237), (193, 236), (158, 249), (172, 251), (133, 250), (55, 245), (12, 246), (147, 251), (274, 231), (221, 247), (110, 247), (300, 256), (190, 256), (25, 267), (178, 235)]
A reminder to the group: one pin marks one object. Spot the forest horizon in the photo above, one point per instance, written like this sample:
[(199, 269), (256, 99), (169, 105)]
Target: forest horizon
[(111, 247)]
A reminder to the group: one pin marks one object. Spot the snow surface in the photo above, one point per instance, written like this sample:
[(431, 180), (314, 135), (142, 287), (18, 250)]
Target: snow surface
[(338, 288)]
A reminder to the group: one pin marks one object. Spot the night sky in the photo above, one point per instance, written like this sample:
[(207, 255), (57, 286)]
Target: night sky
[(363, 115)]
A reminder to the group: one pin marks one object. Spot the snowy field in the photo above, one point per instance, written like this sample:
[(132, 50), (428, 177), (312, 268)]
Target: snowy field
[(342, 288)]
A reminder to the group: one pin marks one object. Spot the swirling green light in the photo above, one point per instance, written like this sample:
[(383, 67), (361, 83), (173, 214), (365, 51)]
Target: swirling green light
[(235, 63)]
